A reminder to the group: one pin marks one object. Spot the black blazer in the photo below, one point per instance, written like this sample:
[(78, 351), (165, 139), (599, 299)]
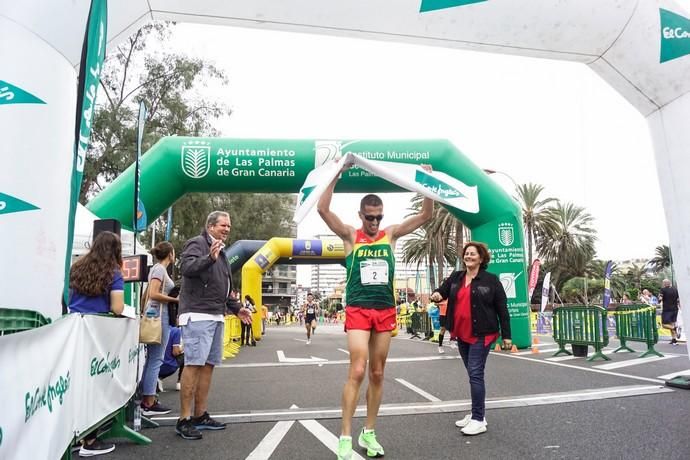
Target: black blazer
[(488, 300)]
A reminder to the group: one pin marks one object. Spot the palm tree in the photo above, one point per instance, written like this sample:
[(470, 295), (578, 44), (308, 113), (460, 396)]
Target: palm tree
[(662, 260), (565, 240), (635, 274), (595, 270), (533, 211), (444, 235)]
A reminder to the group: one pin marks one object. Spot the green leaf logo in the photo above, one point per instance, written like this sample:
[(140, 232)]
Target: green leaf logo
[(10, 204), (196, 160), (675, 36), (10, 94), (436, 186), (306, 191), (432, 5)]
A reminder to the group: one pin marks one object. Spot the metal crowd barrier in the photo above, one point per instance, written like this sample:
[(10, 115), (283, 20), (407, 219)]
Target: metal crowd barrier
[(637, 323), (581, 325)]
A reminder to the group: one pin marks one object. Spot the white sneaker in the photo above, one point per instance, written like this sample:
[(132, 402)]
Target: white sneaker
[(462, 423), (178, 386), (474, 427), (160, 386), (441, 350), (308, 341)]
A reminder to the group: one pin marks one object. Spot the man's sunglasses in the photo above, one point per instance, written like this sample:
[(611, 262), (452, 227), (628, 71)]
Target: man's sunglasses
[(373, 218)]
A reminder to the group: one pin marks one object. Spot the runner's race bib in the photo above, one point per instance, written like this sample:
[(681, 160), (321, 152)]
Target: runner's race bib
[(373, 271), (310, 311)]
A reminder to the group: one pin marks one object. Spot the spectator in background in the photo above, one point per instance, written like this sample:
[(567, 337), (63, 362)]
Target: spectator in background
[(626, 299), (96, 286), (173, 360), (477, 305), (247, 336), (648, 298), (442, 307), (160, 286), (669, 309), (264, 318), (204, 298)]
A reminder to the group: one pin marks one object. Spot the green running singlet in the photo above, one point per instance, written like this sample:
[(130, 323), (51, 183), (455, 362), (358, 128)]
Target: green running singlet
[(370, 272)]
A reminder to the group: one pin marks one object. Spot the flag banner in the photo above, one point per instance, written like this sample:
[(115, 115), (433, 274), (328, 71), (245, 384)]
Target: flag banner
[(533, 277), (91, 65), (607, 283), (140, 221), (36, 148), (53, 392), (436, 185), (545, 291)]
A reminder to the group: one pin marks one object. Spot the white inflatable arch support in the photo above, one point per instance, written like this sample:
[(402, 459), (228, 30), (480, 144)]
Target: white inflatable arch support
[(639, 47)]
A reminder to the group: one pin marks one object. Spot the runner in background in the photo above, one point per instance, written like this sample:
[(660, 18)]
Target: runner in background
[(309, 312)]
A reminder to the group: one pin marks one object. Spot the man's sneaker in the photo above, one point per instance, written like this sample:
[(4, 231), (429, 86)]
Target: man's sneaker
[(186, 429), (367, 440), (159, 386), (95, 448), (308, 341), (441, 350), (156, 409), (345, 448), (474, 427), (462, 423), (205, 422), (178, 386)]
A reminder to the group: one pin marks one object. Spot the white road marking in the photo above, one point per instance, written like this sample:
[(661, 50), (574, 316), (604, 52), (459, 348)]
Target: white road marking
[(327, 438), (674, 374), (283, 359), (301, 340), (269, 443), (580, 368), (311, 362), (418, 390), (569, 357), (344, 351), (529, 352), (633, 362), (443, 406)]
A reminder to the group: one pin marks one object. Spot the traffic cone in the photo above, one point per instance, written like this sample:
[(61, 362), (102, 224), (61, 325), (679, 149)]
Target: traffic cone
[(497, 347), (513, 349), (535, 340), (535, 350)]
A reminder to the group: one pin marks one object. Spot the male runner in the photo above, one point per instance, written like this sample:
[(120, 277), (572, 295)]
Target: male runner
[(309, 310), (370, 310)]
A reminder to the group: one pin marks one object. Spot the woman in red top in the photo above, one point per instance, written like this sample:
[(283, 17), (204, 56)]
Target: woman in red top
[(476, 306)]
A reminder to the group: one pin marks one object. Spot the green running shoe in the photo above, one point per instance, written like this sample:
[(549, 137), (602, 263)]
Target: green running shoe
[(367, 440), (345, 448)]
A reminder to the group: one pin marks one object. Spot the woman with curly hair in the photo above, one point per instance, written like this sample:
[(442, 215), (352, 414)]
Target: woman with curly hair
[(96, 286), (95, 279)]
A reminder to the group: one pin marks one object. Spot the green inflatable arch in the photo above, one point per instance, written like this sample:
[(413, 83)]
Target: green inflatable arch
[(179, 165)]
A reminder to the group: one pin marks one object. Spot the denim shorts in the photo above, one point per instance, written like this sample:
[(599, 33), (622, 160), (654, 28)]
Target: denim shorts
[(203, 342)]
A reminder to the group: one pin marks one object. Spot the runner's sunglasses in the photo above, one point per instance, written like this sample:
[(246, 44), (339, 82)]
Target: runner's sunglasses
[(373, 218)]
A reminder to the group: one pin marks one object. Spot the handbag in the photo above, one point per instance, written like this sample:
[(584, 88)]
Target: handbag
[(150, 328)]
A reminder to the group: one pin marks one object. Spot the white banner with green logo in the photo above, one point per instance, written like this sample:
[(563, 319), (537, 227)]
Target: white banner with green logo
[(63, 378), (37, 94), (436, 185)]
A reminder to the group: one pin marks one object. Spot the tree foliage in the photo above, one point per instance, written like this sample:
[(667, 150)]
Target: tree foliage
[(140, 69)]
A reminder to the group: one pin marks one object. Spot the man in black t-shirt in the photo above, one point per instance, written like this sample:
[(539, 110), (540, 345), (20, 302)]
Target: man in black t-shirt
[(669, 311)]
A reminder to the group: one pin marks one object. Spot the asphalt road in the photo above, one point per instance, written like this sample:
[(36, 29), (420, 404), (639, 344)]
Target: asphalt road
[(281, 400)]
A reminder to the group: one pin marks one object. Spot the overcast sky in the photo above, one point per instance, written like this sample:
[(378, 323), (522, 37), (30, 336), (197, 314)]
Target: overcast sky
[(549, 122)]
